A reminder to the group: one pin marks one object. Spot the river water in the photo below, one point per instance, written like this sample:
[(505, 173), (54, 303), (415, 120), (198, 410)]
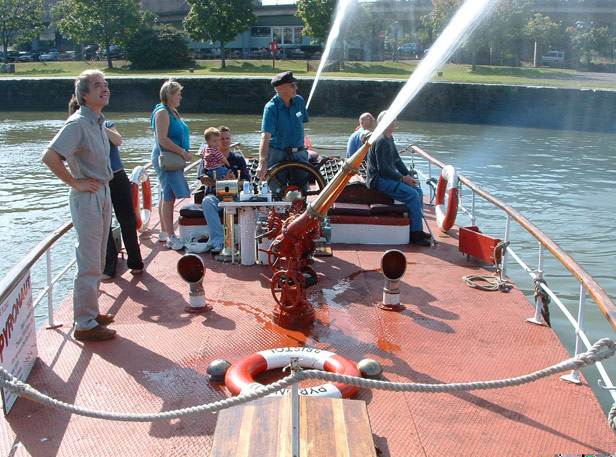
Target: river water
[(563, 181)]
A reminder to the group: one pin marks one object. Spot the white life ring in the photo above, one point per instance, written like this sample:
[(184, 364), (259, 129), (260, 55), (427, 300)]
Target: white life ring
[(143, 206), (447, 184), (239, 376)]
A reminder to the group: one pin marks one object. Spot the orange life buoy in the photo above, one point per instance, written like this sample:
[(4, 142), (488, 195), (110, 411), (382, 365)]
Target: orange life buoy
[(143, 205), (239, 377), (448, 180)]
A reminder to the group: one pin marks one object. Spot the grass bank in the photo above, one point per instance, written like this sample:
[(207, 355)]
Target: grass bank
[(362, 70)]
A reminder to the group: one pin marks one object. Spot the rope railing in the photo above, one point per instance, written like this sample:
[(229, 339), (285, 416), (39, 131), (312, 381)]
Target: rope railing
[(601, 350)]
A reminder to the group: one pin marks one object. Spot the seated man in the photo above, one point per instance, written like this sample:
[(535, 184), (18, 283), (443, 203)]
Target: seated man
[(366, 121), (210, 202), (387, 173)]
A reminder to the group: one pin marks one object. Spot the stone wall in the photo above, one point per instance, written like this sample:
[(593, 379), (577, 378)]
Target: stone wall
[(543, 107)]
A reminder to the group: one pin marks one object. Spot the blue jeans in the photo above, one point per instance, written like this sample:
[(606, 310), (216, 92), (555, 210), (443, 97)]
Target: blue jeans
[(412, 197), (298, 177), (218, 172), (211, 212)]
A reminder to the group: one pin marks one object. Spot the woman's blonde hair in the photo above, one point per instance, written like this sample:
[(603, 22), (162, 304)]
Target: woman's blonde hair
[(169, 88)]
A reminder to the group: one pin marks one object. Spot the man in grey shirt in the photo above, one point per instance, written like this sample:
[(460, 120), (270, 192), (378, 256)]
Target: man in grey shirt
[(386, 173), (83, 144)]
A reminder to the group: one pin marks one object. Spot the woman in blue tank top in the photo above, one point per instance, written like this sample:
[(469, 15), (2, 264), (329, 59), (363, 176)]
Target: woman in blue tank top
[(172, 134)]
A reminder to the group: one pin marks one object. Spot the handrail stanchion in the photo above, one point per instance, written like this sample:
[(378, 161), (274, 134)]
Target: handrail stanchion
[(507, 234), (49, 290), (538, 280), (574, 376), (473, 196)]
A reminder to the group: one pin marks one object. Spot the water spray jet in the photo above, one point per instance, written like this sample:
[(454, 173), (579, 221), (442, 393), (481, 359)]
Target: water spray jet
[(341, 9)]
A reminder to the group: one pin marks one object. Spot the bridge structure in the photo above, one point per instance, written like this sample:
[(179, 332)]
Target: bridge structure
[(596, 11)]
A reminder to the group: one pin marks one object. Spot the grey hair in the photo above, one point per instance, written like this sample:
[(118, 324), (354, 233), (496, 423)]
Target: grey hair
[(381, 115), (364, 116), (82, 83)]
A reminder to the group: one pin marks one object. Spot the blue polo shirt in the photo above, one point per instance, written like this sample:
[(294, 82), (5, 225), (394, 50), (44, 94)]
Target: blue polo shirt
[(285, 124), (354, 142)]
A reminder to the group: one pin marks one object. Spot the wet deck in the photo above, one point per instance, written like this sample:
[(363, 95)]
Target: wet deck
[(447, 333)]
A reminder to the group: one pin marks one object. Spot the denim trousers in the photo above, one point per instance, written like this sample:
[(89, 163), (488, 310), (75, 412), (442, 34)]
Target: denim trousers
[(411, 196), (211, 212), (286, 178)]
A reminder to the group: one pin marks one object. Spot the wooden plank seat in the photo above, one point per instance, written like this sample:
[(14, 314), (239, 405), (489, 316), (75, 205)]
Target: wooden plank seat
[(329, 427)]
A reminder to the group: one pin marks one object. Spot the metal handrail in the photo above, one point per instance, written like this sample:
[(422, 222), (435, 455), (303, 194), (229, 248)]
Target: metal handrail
[(602, 299), (8, 283)]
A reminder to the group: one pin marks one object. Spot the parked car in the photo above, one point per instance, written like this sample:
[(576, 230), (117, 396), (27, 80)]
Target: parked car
[(29, 56), (13, 56), (408, 50), (553, 58), (115, 51), (66, 55), (50, 55)]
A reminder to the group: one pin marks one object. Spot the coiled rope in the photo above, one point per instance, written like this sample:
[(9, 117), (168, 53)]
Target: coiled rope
[(497, 282), (601, 350), (545, 298)]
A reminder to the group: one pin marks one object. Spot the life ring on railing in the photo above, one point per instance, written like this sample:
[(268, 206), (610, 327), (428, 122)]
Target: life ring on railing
[(143, 209), (447, 184), (239, 377)]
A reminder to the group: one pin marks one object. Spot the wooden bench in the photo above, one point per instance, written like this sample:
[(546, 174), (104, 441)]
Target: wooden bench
[(329, 427)]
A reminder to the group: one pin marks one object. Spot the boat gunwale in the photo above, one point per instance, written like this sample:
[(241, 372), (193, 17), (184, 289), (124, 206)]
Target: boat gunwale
[(602, 299), (8, 283)]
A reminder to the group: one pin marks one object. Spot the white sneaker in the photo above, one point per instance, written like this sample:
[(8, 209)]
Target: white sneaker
[(162, 237), (198, 246), (174, 243)]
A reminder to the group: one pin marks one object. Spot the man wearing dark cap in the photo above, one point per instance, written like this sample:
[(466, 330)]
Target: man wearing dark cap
[(282, 128)]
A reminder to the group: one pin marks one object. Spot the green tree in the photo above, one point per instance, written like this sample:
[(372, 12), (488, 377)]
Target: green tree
[(543, 32), (219, 20), (436, 21), (601, 41), (105, 22), (160, 46), (503, 31), (19, 19), (584, 39), (317, 17)]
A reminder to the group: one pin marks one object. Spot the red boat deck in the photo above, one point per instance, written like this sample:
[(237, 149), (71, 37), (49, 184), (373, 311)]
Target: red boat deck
[(447, 333)]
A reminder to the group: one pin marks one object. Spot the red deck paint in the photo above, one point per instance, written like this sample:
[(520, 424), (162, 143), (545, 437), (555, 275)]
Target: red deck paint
[(447, 333)]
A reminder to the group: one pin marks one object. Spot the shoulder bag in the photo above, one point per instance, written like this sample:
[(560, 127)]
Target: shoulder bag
[(169, 160)]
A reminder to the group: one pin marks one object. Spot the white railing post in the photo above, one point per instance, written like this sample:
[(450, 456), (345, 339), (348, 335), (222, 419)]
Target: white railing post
[(51, 323), (574, 376), (538, 280), (473, 218), (507, 234)]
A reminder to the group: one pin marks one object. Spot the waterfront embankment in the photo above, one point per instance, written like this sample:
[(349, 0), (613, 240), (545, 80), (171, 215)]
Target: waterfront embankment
[(489, 104)]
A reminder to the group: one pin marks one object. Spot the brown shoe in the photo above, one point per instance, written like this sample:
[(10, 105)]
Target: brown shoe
[(104, 319), (98, 333)]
